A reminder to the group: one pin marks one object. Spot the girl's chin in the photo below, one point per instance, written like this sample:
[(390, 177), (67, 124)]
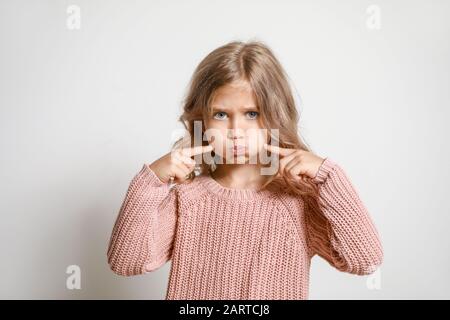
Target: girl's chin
[(239, 159)]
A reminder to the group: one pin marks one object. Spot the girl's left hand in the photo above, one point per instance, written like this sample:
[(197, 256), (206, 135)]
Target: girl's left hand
[(296, 162)]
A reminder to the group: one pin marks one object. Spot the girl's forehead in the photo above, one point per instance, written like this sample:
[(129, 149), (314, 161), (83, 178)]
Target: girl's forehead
[(233, 97)]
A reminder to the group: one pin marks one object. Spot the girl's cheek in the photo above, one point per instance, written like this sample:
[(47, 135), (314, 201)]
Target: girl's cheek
[(221, 146), (256, 142), (217, 142)]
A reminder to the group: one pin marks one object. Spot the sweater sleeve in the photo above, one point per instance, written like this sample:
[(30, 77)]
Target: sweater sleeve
[(142, 236), (344, 234)]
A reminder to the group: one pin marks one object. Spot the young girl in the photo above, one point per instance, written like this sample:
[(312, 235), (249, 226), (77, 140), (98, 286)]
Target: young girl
[(232, 231)]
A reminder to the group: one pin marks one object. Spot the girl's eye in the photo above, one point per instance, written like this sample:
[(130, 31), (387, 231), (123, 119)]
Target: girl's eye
[(253, 114), (219, 115)]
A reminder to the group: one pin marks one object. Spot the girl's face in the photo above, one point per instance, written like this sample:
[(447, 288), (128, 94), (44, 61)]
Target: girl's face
[(234, 129)]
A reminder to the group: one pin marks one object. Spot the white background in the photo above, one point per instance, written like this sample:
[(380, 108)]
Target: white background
[(82, 110)]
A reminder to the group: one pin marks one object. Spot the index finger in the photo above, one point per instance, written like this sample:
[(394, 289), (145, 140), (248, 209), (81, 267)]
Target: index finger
[(196, 150)]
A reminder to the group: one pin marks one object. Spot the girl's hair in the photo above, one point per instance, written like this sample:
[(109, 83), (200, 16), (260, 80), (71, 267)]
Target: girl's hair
[(254, 62)]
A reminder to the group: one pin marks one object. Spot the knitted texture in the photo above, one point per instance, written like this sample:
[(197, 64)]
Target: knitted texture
[(227, 243)]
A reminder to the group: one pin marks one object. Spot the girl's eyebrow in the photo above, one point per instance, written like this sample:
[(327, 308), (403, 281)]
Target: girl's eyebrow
[(218, 108)]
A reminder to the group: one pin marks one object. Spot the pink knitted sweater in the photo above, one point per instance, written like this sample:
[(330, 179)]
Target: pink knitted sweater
[(227, 243)]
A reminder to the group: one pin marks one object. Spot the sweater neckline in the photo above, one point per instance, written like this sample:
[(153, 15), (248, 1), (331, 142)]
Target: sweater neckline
[(233, 193)]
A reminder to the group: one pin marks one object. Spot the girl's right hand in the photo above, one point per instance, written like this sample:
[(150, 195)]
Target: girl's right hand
[(177, 163)]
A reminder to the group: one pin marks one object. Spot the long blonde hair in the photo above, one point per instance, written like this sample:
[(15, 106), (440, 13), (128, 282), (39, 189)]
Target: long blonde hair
[(254, 62)]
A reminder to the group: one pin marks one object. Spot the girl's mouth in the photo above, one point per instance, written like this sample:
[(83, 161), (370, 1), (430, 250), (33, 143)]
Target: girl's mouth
[(238, 150)]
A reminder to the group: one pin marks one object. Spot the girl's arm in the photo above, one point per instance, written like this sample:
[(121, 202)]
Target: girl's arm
[(344, 235), (142, 237)]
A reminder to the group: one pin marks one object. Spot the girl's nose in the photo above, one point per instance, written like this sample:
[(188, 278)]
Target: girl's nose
[(237, 126), (235, 133)]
